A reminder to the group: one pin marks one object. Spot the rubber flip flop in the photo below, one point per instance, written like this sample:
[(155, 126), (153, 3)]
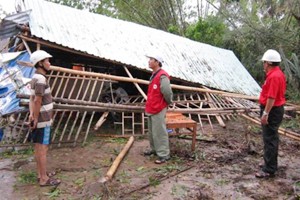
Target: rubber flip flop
[(263, 174), (51, 182), (49, 174)]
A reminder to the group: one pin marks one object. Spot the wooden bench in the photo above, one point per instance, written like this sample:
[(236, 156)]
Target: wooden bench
[(178, 120)]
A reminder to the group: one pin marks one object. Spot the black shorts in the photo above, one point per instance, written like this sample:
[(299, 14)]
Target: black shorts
[(41, 135)]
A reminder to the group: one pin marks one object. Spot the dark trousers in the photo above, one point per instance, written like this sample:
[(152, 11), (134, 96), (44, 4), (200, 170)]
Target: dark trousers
[(271, 138)]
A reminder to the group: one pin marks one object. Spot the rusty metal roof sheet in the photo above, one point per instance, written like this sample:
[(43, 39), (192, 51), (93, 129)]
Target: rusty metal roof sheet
[(8, 26), (128, 43)]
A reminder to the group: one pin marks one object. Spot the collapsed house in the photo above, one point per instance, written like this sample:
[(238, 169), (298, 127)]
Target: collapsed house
[(100, 70)]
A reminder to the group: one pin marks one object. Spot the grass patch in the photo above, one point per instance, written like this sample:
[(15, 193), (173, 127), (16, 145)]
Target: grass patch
[(97, 173), (117, 140), (106, 162), (27, 177), (292, 123), (222, 182), (79, 181), (54, 193), (123, 177), (165, 170), (154, 182), (179, 191), (24, 153), (254, 128)]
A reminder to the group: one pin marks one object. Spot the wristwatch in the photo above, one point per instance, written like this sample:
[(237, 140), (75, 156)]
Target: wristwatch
[(265, 113)]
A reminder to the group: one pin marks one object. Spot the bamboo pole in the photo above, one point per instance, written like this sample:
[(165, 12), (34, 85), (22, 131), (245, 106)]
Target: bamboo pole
[(77, 113), (70, 114), (136, 85), (93, 113), (198, 106), (97, 100), (218, 105), (219, 119), (26, 46), (84, 114), (135, 80), (101, 120), (63, 114), (117, 162), (282, 131)]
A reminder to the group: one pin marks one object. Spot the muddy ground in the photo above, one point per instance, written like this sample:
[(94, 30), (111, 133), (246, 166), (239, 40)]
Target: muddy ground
[(222, 167)]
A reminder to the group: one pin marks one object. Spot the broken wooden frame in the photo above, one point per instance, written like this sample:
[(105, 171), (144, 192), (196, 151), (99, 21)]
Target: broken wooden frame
[(79, 99)]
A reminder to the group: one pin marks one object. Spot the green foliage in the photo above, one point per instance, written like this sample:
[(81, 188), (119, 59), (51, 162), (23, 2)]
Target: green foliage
[(27, 177), (117, 140), (292, 123), (54, 193), (258, 26), (291, 69), (20, 153), (154, 181), (179, 191), (166, 169), (222, 182), (123, 177), (80, 181), (210, 30)]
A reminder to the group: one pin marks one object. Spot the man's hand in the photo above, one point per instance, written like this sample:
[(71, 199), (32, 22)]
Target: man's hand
[(264, 119), (34, 124), (30, 118)]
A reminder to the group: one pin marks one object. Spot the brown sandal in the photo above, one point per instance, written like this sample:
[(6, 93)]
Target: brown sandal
[(51, 182), (263, 174), (49, 174)]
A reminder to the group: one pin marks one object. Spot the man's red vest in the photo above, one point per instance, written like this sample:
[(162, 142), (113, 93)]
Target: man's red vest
[(155, 100)]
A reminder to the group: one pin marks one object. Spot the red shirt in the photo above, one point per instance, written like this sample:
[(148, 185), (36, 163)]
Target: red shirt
[(274, 87), (155, 100)]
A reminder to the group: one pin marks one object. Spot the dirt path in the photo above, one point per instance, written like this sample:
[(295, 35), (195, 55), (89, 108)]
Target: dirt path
[(223, 169), (7, 177)]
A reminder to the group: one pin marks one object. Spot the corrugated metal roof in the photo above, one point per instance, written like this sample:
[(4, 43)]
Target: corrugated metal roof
[(8, 26), (128, 43)]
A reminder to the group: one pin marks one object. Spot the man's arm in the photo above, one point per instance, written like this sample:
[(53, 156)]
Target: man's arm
[(265, 115), (165, 88), (31, 108), (36, 107)]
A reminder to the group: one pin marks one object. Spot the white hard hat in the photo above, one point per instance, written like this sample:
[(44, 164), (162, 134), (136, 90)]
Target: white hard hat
[(38, 56), (156, 57), (271, 55)]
